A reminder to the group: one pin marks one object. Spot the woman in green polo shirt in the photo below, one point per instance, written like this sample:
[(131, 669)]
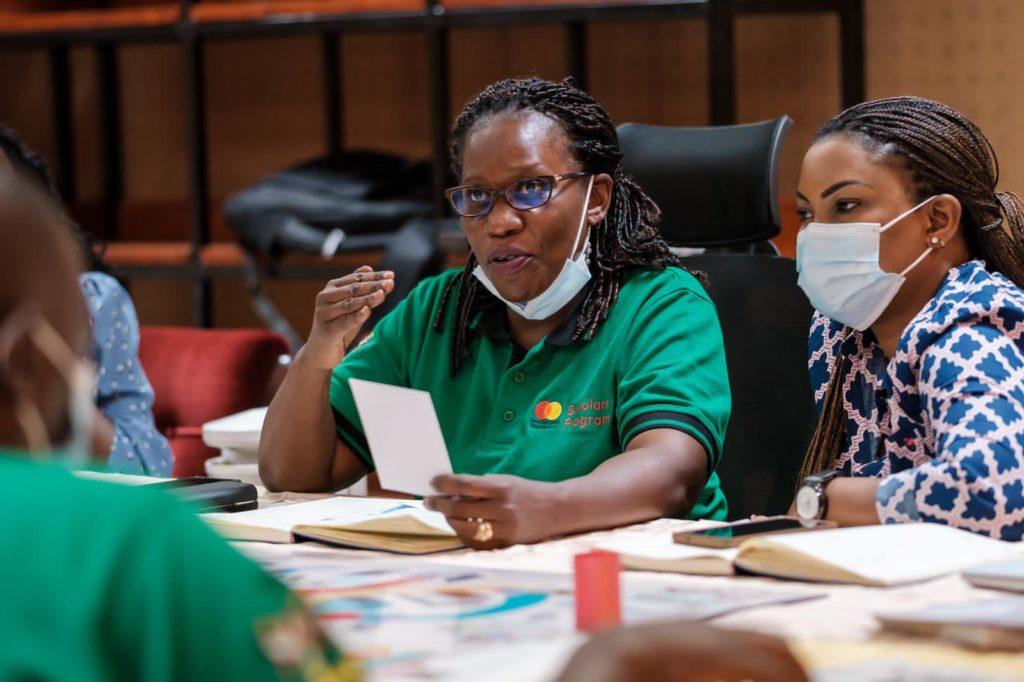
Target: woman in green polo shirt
[(577, 371)]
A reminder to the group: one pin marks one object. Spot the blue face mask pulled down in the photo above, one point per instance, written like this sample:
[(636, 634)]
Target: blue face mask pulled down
[(840, 272), (570, 281)]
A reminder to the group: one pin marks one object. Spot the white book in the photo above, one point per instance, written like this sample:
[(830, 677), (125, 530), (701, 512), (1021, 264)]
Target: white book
[(401, 526), (985, 624), (868, 555), (1005, 575)]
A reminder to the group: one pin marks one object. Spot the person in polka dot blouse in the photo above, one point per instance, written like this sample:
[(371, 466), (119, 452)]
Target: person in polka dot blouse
[(123, 394), (125, 434)]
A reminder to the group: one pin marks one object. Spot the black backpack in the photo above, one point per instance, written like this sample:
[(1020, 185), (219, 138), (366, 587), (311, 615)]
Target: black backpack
[(351, 201)]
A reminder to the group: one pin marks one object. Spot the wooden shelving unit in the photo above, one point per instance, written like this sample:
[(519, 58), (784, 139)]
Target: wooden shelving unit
[(193, 24)]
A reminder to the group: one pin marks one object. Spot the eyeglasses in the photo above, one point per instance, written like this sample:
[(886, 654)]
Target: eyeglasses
[(522, 195)]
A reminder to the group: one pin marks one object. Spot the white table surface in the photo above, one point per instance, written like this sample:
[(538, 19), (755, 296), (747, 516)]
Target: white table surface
[(841, 625)]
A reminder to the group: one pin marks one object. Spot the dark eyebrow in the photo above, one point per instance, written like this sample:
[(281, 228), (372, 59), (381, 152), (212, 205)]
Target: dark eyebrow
[(801, 196), (524, 172), (841, 184)]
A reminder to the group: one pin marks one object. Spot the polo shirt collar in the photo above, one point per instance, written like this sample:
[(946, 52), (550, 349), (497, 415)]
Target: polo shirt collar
[(493, 322)]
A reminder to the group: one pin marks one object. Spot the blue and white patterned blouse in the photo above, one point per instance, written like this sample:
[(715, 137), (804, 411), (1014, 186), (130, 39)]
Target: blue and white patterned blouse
[(943, 421), (123, 391)]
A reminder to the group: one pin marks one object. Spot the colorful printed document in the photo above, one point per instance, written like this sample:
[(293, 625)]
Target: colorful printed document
[(407, 617)]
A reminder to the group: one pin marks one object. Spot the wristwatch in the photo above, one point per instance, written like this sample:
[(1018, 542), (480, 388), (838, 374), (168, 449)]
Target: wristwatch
[(811, 501)]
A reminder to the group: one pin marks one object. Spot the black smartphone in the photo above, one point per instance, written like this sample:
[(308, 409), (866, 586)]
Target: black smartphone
[(213, 494), (732, 534)]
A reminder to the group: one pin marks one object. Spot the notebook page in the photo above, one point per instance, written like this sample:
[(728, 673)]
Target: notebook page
[(336, 512), (894, 553)]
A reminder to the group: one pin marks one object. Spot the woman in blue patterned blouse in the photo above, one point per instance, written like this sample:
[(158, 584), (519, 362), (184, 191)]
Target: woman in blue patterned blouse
[(124, 434), (915, 264)]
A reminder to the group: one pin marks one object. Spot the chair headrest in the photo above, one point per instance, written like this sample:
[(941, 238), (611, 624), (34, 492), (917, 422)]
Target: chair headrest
[(715, 186)]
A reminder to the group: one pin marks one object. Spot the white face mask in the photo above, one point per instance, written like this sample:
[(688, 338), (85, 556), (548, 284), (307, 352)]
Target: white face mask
[(81, 386), (570, 281), (840, 272)]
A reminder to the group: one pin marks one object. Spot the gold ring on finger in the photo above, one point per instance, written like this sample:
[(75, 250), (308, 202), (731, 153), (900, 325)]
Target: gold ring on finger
[(484, 531)]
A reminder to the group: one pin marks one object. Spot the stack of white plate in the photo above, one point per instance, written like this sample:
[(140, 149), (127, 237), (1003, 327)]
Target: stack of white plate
[(238, 439)]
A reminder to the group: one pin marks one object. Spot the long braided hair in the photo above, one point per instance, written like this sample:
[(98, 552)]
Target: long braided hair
[(30, 165), (944, 153), (627, 237)]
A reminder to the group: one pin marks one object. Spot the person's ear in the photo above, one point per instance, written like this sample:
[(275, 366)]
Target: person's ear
[(944, 214), (600, 198)]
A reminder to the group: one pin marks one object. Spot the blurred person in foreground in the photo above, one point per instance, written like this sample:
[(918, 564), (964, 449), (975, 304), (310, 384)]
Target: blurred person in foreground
[(102, 581), (675, 651)]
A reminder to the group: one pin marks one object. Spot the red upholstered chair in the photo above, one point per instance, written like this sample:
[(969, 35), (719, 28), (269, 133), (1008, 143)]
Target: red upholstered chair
[(203, 374)]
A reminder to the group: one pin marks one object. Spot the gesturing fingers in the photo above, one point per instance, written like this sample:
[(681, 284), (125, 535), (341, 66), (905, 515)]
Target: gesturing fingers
[(332, 295), (348, 306), (363, 274)]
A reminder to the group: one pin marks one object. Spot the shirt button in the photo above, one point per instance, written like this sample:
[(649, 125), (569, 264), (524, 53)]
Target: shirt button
[(509, 415), (519, 377)]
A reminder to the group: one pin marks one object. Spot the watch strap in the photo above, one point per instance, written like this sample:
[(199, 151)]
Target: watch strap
[(820, 479)]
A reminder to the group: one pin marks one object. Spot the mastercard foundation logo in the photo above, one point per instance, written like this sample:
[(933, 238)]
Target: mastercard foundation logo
[(547, 411)]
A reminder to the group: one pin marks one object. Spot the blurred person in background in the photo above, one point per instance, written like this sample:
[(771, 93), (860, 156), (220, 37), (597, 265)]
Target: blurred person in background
[(124, 433)]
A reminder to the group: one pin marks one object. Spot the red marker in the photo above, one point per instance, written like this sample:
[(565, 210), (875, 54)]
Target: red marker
[(597, 591)]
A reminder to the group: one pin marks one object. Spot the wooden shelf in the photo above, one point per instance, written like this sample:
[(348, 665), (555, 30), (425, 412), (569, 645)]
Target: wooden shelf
[(179, 225), (82, 22), (174, 259), (555, 4), (285, 10), (147, 254)]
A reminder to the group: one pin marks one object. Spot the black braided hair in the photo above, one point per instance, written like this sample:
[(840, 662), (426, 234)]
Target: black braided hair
[(30, 165), (628, 236), (944, 153)]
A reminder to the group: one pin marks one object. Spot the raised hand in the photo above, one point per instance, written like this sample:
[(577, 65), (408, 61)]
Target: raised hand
[(342, 307)]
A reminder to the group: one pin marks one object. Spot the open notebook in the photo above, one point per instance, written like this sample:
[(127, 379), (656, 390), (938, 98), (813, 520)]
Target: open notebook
[(401, 526), (986, 624), (869, 555)]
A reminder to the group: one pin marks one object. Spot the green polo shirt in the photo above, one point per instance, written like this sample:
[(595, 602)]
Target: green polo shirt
[(104, 582), (560, 409)]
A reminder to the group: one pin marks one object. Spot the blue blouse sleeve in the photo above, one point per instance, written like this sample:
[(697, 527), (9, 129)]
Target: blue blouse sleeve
[(822, 348), (124, 394), (972, 387)]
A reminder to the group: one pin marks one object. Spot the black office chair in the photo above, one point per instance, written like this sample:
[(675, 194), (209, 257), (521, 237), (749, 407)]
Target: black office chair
[(717, 189)]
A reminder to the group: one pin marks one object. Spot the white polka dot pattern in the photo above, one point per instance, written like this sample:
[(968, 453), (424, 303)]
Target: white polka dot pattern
[(124, 394)]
